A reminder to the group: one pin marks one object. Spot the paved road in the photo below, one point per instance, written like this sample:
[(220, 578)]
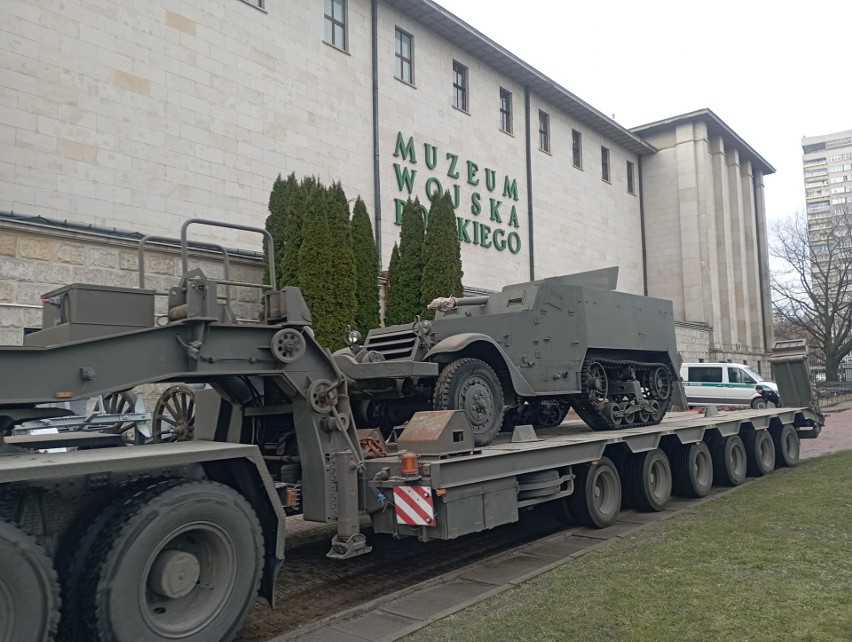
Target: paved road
[(835, 436)]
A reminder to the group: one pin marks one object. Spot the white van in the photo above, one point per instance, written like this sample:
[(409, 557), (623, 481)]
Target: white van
[(724, 384)]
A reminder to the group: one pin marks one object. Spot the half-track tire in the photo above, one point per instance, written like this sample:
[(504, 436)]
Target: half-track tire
[(786, 441), (760, 453), (596, 500), (729, 460), (647, 480), (182, 561), (692, 470), (471, 385), (29, 588)]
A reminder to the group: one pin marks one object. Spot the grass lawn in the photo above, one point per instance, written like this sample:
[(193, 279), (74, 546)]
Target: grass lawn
[(770, 561)]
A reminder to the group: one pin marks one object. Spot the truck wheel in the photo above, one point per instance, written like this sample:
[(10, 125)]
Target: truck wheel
[(692, 470), (647, 480), (729, 460), (29, 590), (786, 441), (471, 385), (760, 453), (596, 499), (182, 563)]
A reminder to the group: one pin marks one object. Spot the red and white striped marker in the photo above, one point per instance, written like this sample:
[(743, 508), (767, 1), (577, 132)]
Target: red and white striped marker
[(414, 505)]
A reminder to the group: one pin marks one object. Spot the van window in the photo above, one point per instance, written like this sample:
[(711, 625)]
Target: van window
[(705, 374), (736, 375)]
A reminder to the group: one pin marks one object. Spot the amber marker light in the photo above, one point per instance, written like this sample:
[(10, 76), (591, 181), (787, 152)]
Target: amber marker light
[(64, 395), (408, 463)]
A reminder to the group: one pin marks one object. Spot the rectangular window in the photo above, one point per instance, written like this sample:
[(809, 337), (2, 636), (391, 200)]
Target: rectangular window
[(605, 163), (335, 23), (506, 110), (631, 186), (577, 148), (256, 3), (404, 56), (459, 86), (544, 131)]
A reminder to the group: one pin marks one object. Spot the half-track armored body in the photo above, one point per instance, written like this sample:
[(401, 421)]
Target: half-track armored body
[(527, 354)]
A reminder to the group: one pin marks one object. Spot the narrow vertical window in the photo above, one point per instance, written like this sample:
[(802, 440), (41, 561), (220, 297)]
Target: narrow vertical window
[(577, 148), (459, 86), (631, 186), (335, 23), (506, 110), (543, 131), (404, 56), (605, 163)]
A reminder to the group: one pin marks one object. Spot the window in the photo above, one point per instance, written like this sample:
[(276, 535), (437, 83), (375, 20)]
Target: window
[(605, 163), (256, 3), (735, 375), (705, 374), (577, 148), (631, 186), (335, 23), (506, 110), (404, 56), (459, 86), (544, 131)]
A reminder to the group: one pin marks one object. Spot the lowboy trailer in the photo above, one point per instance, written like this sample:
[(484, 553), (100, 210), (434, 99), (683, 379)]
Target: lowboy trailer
[(173, 541)]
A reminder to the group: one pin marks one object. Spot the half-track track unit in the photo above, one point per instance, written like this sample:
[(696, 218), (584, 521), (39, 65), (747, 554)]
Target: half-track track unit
[(526, 355)]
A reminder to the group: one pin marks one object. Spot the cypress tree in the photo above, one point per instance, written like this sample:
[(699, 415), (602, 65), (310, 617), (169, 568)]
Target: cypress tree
[(391, 304), (342, 281), (366, 269), (405, 302), (284, 225), (442, 268)]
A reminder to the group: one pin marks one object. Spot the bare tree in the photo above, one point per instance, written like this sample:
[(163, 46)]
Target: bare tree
[(812, 292)]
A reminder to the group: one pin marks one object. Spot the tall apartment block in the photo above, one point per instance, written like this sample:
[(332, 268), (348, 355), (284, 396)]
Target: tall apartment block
[(827, 162)]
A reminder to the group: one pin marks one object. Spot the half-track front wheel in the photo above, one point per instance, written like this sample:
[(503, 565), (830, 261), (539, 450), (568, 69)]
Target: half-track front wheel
[(471, 385), (29, 590), (183, 563)]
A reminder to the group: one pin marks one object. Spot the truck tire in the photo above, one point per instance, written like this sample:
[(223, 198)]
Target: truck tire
[(183, 563), (647, 480), (692, 470), (471, 385), (596, 499), (786, 441), (729, 460), (29, 589), (760, 453)]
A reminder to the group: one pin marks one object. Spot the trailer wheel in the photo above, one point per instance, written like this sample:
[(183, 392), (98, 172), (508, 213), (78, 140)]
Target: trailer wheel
[(729, 460), (647, 480), (471, 385), (692, 470), (183, 563), (786, 441), (29, 590), (174, 415), (760, 453), (596, 499)]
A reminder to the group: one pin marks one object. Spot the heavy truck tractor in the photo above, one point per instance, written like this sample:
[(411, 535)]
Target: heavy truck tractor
[(525, 355)]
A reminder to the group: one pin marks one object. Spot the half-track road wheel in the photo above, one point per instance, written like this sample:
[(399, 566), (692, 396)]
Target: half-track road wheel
[(29, 590), (471, 385), (596, 499), (692, 470), (174, 415), (181, 562), (647, 480), (760, 453), (551, 412), (786, 441), (729, 460)]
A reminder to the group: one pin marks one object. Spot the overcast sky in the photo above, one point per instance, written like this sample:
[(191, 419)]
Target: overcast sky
[(772, 71)]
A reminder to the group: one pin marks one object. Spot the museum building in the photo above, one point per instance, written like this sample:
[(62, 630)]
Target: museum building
[(121, 119)]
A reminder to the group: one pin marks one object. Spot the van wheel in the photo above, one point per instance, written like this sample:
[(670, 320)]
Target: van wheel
[(759, 403)]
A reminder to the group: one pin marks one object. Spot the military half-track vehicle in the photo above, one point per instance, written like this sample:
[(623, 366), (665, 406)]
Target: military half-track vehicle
[(527, 354)]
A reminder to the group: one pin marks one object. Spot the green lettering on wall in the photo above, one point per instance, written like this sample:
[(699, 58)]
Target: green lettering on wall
[(406, 150), (499, 243), (433, 187), (510, 188), (431, 154), (490, 179), (475, 205), (514, 242), (495, 210), (404, 177), (484, 231), (456, 196), (475, 233), (513, 217), (472, 168), (463, 223), (453, 158), (398, 205)]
